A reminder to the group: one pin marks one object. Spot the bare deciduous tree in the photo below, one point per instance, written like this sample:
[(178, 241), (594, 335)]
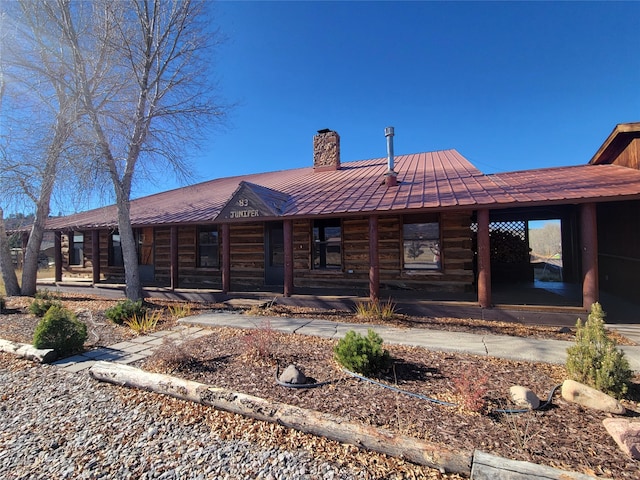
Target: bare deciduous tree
[(141, 72), (43, 113), (133, 74)]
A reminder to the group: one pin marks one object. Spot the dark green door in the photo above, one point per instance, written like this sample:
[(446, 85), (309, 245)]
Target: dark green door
[(274, 254)]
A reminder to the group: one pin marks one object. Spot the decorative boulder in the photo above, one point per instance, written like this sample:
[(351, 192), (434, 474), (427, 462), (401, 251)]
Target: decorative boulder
[(626, 434), (576, 392), (294, 375), (523, 397)]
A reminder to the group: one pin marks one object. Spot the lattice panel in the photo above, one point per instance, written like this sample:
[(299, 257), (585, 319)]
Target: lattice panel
[(509, 241)]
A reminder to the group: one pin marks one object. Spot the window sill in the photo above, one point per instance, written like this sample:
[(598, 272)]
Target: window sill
[(422, 273), (327, 271)]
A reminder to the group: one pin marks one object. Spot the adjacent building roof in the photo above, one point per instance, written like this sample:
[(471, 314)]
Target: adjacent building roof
[(616, 142), (432, 181)]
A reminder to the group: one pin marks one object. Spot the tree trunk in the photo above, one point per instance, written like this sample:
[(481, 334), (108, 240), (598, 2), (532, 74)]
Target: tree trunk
[(30, 267), (9, 278), (129, 252), (309, 421), (54, 151), (27, 351)]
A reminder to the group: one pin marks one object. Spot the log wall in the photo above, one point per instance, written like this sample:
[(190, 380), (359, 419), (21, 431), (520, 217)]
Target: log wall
[(87, 249), (247, 255), (248, 258), (457, 256)]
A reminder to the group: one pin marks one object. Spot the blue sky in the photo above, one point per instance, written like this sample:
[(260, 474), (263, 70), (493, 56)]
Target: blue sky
[(510, 85)]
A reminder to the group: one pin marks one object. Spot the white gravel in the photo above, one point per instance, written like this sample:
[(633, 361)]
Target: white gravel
[(59, 425)]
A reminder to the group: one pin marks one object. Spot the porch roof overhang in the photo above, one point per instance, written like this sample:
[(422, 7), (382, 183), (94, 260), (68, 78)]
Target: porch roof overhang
[(433, 181)]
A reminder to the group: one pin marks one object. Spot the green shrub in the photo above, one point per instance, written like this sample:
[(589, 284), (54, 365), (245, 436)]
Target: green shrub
[(3, 304), (61, 330), (360, 354), (595, 360), (125, 310), (42, 302)]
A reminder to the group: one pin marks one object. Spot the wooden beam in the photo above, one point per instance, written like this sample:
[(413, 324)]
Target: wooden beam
[(374, 260), (492, 467), (589, 248), (226, 258), (27, 351), (288, 257), (95, 256), (175, 271), (484, 260), (57, 255), (327, 425)]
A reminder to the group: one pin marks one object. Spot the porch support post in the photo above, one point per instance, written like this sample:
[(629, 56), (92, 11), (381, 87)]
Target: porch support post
[(374, 260), (95, 256), (484, 260), (175, 274), (226, 258), (57, 255), (288, 257), (589, 247)]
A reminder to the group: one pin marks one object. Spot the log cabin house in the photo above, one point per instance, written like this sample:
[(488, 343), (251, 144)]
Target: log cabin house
[(422, 223)]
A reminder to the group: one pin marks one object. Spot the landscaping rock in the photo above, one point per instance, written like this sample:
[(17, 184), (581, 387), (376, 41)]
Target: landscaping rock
[(292, 374), (523, 397), (576, 392), (626, 434)]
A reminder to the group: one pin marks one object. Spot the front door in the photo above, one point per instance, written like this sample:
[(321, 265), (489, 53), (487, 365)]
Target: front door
[(274, 254)]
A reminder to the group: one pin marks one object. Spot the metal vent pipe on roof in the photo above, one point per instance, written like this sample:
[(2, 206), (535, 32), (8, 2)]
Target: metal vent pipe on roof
[(388, 132)]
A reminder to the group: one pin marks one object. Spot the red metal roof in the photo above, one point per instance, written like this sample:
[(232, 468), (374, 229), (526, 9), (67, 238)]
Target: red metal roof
[(434, 180)]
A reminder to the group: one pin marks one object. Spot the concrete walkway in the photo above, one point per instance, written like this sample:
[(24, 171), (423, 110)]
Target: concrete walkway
[(502, 346), (131, 350)]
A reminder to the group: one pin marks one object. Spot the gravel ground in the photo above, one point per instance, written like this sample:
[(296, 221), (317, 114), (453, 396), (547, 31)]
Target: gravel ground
[(59, 425)]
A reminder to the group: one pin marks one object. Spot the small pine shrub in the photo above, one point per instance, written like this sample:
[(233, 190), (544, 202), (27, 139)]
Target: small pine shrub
[(595, 360), (125, 310), (60, 330), (144, 323), (42, 302), (363, 355), (3, 304)]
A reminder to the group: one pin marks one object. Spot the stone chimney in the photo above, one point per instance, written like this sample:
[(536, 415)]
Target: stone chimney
[(326, 151)]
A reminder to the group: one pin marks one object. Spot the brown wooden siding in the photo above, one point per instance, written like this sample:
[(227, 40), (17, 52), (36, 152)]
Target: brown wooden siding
[(619, 248), (247, 255), (110, 272), (162, 239), (87, 264), (457, 255), (630, 156)]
